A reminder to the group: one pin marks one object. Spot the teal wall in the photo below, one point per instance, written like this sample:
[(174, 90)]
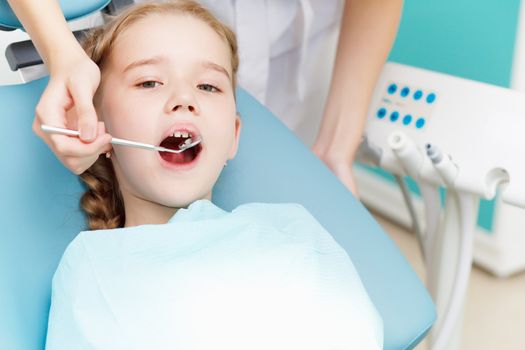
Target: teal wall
[(473, 39)]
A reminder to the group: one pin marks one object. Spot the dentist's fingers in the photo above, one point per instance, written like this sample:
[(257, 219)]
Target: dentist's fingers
[(76, 155), (82, 91), (102, 131), (346, 176), (70, 146), (341, 168), (84, 156), (67, 102), (51, 109)]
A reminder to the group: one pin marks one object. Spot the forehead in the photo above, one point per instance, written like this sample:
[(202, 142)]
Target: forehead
[(182, 38)]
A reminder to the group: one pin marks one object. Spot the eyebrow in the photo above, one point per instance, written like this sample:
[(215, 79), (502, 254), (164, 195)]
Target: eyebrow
[(160, 59), (215, 67), (145, 62)]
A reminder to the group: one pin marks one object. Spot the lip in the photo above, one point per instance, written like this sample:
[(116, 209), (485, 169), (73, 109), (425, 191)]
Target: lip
[(180, 167)]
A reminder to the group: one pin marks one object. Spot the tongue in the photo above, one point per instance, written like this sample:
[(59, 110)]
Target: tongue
[(178, 158)]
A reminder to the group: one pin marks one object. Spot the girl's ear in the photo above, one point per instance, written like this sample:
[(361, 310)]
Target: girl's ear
[(235, 145)]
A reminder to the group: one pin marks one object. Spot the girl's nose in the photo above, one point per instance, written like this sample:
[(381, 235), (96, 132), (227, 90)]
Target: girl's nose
[(183, 101), (183, 105)]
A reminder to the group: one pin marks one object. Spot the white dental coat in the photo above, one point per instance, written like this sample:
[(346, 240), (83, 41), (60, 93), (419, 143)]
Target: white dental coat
[(286, 51)]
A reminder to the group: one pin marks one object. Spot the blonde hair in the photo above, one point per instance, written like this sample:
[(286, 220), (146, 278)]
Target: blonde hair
[(102, 202)]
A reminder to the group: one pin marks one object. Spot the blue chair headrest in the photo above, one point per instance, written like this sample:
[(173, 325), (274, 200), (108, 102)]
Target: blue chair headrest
[(72, 10)]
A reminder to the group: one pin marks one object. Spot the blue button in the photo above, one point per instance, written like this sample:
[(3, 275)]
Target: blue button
[(431, 97), (394, 116), (392, 89), (381, 113), (405, 91), (418, 94), (407, 119), (420, 123)]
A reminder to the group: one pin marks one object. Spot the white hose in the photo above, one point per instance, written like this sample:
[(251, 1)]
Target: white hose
[(467, 213), (416, 227), (432, 203), (464, 213)]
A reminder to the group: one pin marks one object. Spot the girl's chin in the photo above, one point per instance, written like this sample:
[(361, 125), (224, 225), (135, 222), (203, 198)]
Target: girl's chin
[(180, 203)]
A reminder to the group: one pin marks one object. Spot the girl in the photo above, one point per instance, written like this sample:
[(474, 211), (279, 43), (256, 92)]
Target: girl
[(164, 268)]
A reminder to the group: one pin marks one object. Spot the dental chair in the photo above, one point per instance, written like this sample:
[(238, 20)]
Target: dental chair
[(40, 214)]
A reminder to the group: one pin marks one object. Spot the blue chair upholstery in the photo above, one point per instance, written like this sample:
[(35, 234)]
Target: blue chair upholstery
[(40, 215), (72, 10)]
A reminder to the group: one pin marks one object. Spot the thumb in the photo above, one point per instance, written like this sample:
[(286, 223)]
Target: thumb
[(87, 116), (106, 138)]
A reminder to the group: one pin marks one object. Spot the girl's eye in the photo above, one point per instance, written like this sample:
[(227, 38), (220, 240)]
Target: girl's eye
[(149, 84), (208, 88)]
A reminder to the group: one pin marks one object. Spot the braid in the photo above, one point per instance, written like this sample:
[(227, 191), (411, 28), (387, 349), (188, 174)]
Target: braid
[(102, 202)]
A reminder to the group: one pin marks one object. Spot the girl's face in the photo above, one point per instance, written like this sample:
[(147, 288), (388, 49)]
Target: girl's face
[(165, 74)]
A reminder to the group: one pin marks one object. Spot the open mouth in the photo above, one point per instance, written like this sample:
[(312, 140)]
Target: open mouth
[(173, 142)]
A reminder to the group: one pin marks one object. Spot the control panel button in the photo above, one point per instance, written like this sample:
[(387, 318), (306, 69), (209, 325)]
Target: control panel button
[(431, 97), (420, 123), (392, 88), (394, 116)]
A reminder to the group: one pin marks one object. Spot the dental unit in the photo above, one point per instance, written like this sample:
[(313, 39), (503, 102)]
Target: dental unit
[(457, 134)]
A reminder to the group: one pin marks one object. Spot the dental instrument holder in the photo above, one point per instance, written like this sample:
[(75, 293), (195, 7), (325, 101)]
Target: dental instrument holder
[(478, 130)]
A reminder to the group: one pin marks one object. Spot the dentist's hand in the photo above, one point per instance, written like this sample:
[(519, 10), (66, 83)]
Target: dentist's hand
[(67, 102), (341, 167), (361, 55)]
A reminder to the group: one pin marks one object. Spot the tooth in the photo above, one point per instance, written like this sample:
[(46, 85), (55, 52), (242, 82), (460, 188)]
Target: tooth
[(184, 134), (177, 134), (188, 141)]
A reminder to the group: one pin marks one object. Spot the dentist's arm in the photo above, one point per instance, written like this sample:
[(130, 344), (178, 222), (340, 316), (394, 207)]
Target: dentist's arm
[(68, 99), (368, 30)]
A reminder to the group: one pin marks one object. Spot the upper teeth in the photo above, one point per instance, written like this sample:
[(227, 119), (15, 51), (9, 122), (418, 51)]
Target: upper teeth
[(180, 134)]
